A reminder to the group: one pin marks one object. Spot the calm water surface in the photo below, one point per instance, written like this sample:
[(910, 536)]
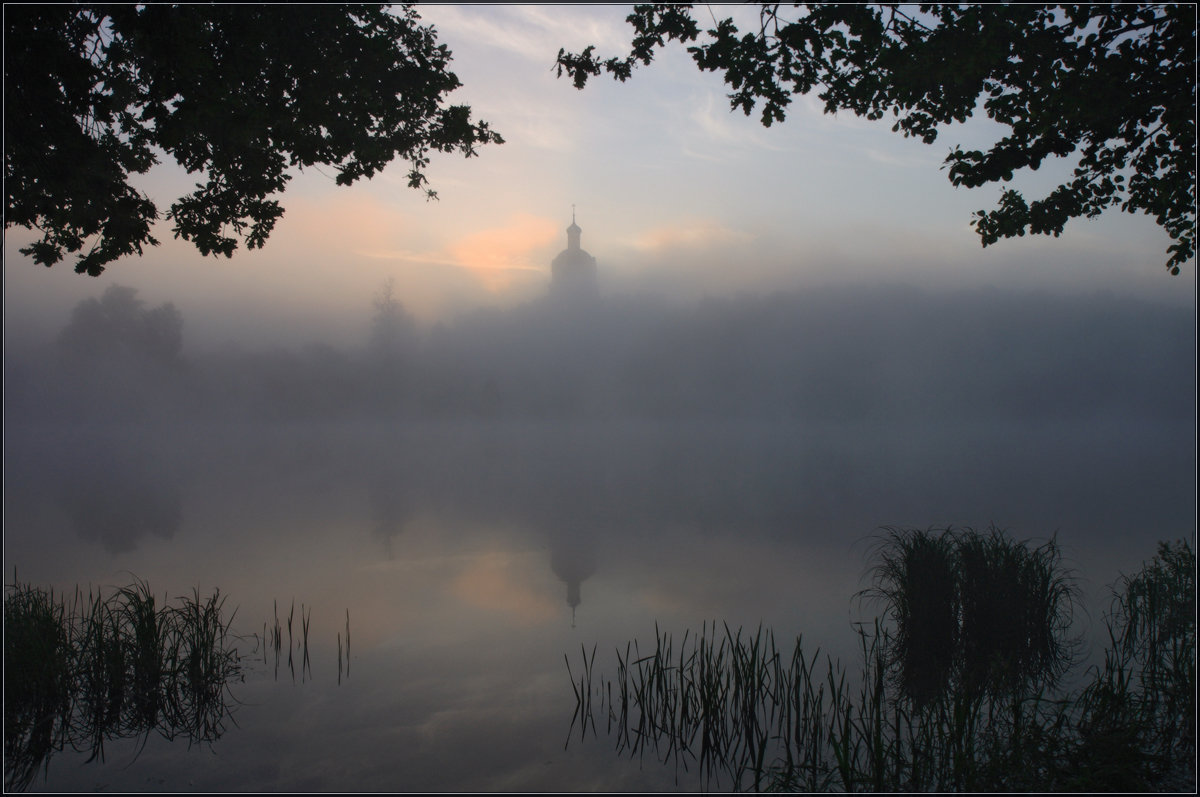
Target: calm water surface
[(473, 556)]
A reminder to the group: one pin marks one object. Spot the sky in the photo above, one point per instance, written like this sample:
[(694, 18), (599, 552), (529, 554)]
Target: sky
[(676, 195)]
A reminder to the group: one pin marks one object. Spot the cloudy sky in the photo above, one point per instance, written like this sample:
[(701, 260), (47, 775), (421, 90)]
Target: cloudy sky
[(675, 194)]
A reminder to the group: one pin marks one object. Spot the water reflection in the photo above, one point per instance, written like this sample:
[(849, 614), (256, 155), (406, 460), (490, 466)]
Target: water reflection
[(498, 532), (272, 641), (965, 696), (573, 560), (650, 464), (391, 505), (82, 672), (118, 498), (617, 482)]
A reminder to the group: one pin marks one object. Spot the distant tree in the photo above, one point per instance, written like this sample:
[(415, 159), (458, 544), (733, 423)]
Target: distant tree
[(390, 351), (239, 93), (1113, 86), (392, 329), (118, 325)]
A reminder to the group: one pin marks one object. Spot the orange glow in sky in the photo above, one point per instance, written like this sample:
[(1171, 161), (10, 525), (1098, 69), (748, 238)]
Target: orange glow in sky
[(500, 256), (691, 234)]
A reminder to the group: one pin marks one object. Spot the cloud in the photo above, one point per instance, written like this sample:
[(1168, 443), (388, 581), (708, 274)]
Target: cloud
[(904, 158), (497, 257), (535, 110), (716, 125), (406, 255), (548, 130), (531, 32), (688, 235), (341, 220)]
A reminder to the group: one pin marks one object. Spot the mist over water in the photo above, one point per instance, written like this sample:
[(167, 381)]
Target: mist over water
[(573, 471), (820, 415), (834, 354)]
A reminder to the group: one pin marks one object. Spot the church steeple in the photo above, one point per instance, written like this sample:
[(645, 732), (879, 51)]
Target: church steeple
[(573, 272), (573, 233), (573, 560)]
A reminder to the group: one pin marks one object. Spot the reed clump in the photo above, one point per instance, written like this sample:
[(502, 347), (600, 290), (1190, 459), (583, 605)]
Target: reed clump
[(959, 687), (974, 612), (272, 639), (85, 669), (1138, 715), (38, 676)]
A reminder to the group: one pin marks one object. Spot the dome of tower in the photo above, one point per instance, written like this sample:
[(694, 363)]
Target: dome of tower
[(573, 270)]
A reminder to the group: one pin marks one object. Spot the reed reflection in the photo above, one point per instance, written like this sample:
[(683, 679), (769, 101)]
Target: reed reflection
[(982, 710), (82, 671)]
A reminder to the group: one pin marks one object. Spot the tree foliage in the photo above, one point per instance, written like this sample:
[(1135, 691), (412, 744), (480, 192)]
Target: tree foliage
[(239, 94), (393, 331), (1112, 86), (119, 325)]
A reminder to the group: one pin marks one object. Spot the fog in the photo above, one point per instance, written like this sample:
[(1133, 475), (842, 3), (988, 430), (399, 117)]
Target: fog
[(841, 408), (486, 493), (856, 355)]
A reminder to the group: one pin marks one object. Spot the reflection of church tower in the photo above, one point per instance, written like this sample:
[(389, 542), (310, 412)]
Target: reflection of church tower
[(573, 562), (573, 271)]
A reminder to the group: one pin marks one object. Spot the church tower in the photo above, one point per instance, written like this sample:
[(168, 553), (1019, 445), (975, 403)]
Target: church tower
[(573, 271), (573, 560)]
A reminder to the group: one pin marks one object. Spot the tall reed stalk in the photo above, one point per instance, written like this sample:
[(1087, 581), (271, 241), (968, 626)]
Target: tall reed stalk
[(82, 671), (749, 714)]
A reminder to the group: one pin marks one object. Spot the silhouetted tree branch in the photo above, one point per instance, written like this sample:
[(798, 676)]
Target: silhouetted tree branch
[(237, 93), (1113, 86)]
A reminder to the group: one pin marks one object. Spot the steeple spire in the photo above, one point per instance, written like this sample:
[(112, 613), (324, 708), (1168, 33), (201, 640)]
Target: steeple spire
[(573, 271), (573, 232)]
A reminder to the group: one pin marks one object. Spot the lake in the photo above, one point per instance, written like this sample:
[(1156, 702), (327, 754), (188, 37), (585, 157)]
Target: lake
[(470, 557)]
